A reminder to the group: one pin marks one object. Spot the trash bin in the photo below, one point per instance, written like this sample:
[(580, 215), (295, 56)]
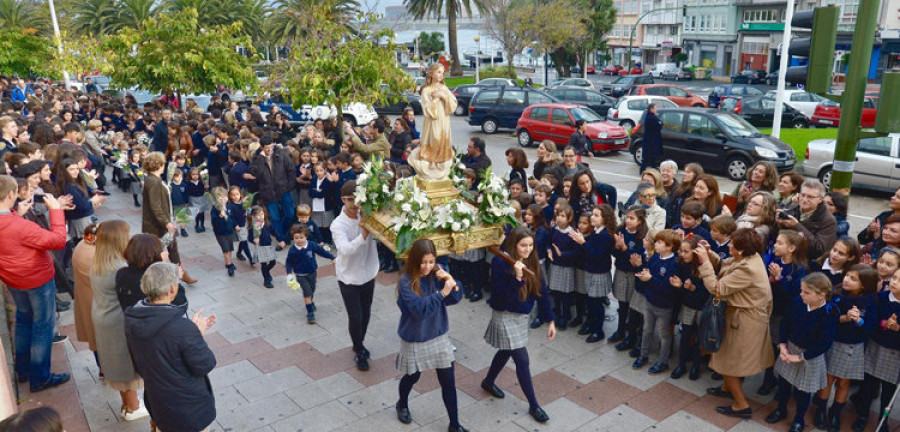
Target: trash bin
[(700, 73)]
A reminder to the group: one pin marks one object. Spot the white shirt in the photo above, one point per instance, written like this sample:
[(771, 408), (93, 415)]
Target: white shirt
[(318, 204), (357, 257)]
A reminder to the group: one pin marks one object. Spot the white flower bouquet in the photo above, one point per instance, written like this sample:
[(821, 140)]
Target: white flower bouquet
[(373, 187), (493, 201)]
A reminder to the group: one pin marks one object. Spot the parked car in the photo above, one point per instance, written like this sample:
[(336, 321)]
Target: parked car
[(497, 82), (590, 70), (772, 79), (760, 112), (682, 74), (464, 93), (622, 85), (574, 82), (355, 113), (877, 162), (736, 91), (716, 139), (660, 69), (407, 99), (634, 71), (749, 76), (599, 103), (629, 109), (800, 100), (676, 94), (501, 107), (611, 70), (828, 113), (556, 122)]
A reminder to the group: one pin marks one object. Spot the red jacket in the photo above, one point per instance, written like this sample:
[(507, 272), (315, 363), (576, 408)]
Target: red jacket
[(25, 262)]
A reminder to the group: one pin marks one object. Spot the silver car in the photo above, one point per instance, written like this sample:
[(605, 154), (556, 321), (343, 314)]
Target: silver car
[(877, 162)]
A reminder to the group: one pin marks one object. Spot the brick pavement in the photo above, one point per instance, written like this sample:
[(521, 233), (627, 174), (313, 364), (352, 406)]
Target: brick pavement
[(277, 373)]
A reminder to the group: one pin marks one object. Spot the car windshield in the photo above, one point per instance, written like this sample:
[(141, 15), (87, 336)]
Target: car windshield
[(623, 80), (737, 126), (586, 114)]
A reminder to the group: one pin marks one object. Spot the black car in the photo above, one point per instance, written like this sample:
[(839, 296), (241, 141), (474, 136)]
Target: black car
[(407, 99), (501, 107), (760, 112), (622, 85), (735, 91), (464, 94), (596, 101), (715, 138), (749, 76)]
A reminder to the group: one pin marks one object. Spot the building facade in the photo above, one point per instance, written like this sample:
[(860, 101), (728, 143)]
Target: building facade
[(889, 23), (760, 34), (710, 34), (660, 31), (618, 39)]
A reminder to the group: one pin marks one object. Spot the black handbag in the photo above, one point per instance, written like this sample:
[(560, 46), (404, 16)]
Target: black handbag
[(712, 324)]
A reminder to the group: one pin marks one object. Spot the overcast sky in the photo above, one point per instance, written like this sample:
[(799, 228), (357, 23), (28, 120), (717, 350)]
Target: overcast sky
[(380, 4)]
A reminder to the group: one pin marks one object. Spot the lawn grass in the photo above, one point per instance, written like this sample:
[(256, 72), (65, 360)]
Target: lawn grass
[(798, 139), (458, 81)]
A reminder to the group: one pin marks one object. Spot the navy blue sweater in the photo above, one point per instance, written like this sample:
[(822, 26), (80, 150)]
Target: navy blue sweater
[(886, 308), (236, 174), (195, 190), (82, 201), (787, 288), (698, 230), (222, 226), (505, 289), (720, 249), (265, 235), (598, 248), (315, 234), (179, 194), (635, 245), (424, 317), (813, 331), (658, 291), (835, 276), (569, 250), (849, 332), (238, 213), (693, 299), (303, 261), (326, 190), (541, 241)]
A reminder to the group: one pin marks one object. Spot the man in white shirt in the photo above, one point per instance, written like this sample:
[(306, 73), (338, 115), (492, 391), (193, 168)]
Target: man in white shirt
[(356, 266)]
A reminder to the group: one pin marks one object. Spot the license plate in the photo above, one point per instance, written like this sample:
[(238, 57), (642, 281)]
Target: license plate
[(620, 141), (826, 122)]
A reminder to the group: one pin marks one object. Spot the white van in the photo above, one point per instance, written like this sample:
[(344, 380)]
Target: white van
[(661, 69)]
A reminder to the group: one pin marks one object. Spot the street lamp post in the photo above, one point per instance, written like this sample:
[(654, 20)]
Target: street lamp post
[(58, 39), (477, 39)]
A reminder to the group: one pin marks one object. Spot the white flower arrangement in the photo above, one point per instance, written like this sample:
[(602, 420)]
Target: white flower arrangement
[(493, 201), (373, 191), (144, 140), (456, 216)]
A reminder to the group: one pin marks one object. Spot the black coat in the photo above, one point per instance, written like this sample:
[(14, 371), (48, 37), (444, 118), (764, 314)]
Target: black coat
[(173, 358), (275, 182), (651, 145), (128, 287), (580, 143), (160, 141)]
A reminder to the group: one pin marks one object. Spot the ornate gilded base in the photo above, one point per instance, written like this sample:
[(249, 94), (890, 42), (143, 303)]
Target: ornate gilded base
[(439, 192), (446, 243)]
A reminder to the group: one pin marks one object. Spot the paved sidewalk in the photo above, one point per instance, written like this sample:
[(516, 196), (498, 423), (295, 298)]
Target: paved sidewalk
[(277, 373)]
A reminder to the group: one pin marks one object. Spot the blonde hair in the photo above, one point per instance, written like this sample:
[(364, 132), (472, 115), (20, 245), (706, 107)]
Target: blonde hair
[(112, 239), (94, 124)]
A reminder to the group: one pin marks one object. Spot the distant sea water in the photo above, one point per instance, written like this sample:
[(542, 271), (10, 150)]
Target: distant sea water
[(464, 39)]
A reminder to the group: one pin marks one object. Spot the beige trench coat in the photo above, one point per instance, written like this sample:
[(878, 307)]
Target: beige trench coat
[(82, 258), (746, 345)]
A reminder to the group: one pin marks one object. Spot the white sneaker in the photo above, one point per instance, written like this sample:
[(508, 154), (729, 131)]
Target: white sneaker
[(136, 414)]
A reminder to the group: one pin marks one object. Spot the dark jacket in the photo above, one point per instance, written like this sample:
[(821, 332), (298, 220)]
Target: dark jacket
[(580, 143), (171, 355), (820, 230), (651, 144), (275, 182), (505, 293), (399, 142), (160, 140), (479, 164), (128, 287)]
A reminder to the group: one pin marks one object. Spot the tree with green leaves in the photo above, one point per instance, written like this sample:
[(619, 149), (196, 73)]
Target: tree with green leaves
[(25, 15), (504, 24), (81, 55), (553, 26), (25, 53), (173, 53), (332, 66), (451, 9), (289, 19), (431, 45), (94, 17), (599, 17)]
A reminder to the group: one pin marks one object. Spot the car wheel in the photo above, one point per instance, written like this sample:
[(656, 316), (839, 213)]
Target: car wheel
[(825, 177), (460, 110), (736, 167), (800, 124), (638, 155), (350, 119), (524, 138), (627, 124), (698, 106), (489, 126)]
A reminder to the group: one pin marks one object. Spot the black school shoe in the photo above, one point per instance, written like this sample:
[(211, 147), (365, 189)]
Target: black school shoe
[(539, 415), (745, 413), (403, 415), (535, 323), (362, 363)]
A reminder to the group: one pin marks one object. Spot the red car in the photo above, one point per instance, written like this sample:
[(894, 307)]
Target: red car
[(611, 70), (590, 70), (828, 113), (678, 95), (556, 122), (634, 71)]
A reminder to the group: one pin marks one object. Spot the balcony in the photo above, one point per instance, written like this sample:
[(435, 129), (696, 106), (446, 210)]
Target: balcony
[(651, 41)]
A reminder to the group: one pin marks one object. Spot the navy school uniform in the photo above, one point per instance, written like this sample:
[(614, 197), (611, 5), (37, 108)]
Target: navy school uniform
[(223, 227), (315, 234), (787, 286), (835, 276), (541, 242), (597, 264), (720, 249), (882, 365), (623, 280), (698, 230), (236, 174), (562, 273), (505, 293), (265, 251), (301, 262), (179, 194), (548, 213), (846, 357), (692, 303), (810, 334), (195, 190), (658, 291)]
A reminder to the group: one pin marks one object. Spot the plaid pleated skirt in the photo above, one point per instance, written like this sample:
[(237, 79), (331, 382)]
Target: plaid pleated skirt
[(846, 361), (688, 316), (415, 357), (200, 204), (136, 187), (579, 281), (807, 376), (241, 235), (323, 218), (562, 279), (882, 363), (623, 286), (77, 226), (638, 303), (265, 254), (507, 330), (597, 285)]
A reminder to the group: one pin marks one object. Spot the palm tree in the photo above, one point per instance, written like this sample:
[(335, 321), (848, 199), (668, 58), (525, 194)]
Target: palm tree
[(288, 19), (451, 8), (94, 17), (133, 13), (24, 14)]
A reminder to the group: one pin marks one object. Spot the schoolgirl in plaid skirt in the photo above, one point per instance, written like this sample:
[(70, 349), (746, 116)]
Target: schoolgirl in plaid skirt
[(562, 253), (629, 243), (692, 294), (597, 252)]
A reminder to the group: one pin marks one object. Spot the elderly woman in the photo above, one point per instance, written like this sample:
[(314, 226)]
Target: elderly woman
[(169, 351), (667, 170), (647, 197), (743, 284), (109, 321), (654, 178), (82, 259)]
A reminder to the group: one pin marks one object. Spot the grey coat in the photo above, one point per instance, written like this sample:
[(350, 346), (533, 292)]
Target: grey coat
[(109, 328)]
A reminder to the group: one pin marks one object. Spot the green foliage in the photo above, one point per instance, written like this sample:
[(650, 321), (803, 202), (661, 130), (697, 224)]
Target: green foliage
[(680, 57), (505, 26), (497, 72), (799, 139), (25, 53), (555, 26), (451, 9), (290, 19), (431, 45), (25, 15), (205, 56), (332, 66), (81, 55)]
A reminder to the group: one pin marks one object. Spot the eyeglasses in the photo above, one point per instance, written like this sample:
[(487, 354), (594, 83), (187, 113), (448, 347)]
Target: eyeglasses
[(651, 195), (809, 197)]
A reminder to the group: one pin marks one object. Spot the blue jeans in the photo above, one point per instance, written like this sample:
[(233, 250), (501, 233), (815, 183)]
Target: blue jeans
[(281, 215), (35, 323)]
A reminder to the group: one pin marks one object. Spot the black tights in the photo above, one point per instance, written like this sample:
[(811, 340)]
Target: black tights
[(867, 393), (266, 269), (686, 349), (596, 312), (800, 397), (446, 378), (523, 372)]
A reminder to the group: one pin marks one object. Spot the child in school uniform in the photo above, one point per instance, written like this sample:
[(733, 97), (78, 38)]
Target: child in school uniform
[(322, 190), (236, 206), (301, 262), (179, 195), (846, 359), (579, 297), (653, 282), (842, 255), (629, 243), (260, 233), (304, 217), (223, 224), (720, 229), (534, 220), (304, 176), (692, 295), (786, 268), (597, 250), (887, 263), (806, 334), (197, 195), (136, 177), (542, 195), (562, 253), (691, 216)]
